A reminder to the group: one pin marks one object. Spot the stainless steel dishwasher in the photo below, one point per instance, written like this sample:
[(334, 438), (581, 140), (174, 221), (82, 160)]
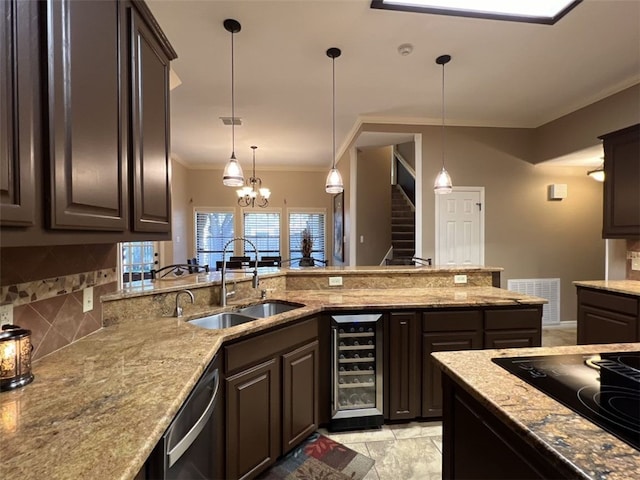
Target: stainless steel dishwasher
[(189, 448)]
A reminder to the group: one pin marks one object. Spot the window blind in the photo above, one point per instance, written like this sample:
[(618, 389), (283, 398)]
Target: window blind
[(213, 231), (263, 229), (314, 223)]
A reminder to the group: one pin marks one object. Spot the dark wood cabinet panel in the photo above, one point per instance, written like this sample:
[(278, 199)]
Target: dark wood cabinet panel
[(513, 327), (19, 111), (150, 137), (403, 378), (478, 445), (253, 420), (431, 374), (299, 395), (607, 317), (621, 217), (86, 116)]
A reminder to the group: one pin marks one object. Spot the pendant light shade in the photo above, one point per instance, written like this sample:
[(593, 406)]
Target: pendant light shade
[(334, 179), (232, 175), (443, 183)]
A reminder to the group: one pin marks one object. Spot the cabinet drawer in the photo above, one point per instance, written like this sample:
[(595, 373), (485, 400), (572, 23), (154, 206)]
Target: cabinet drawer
[(248, 352), (455, 320), (512, 318), (608, 301)]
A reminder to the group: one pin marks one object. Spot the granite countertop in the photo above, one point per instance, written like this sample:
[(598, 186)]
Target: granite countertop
[(629, 287), (572, 441), (97, 407)]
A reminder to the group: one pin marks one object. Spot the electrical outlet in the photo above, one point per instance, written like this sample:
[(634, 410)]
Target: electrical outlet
[(335, 281), (459, 279), (635, 263), (6, 314), (87, 299)]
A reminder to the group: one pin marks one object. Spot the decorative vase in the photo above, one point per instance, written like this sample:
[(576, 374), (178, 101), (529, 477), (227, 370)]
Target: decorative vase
[(307, 262)]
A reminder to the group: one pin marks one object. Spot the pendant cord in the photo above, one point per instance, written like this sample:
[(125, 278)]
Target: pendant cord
[(443, 116), (333, 64), (233, 110)]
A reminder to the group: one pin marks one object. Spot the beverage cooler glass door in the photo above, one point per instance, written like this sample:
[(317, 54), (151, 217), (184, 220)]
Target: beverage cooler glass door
[(357, 371)]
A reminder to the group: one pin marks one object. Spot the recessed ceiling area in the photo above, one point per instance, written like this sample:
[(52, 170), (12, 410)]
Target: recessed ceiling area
[(505, 74)]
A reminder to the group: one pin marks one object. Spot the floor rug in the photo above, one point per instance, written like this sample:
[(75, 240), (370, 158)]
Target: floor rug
[(320, 458)]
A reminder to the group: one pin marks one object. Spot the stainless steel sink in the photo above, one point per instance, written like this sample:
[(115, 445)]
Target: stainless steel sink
[(221, 320), (244, 315), (266, 309)]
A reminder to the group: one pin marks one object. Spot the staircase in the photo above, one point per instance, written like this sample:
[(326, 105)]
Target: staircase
[(403, 228)]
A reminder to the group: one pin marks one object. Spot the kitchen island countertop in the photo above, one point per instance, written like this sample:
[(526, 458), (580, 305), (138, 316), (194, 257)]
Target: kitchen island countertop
[(628, 287), (97, 407), (570, 440)]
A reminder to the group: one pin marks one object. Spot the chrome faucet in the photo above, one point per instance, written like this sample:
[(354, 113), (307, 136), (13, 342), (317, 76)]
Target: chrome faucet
[(178, 311), (223, 285)]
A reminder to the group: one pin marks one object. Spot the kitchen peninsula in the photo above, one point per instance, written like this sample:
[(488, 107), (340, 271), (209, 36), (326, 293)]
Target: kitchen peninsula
[(97, 408), (541, 434)]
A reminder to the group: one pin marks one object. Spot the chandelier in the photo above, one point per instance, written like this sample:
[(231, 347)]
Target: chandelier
[(253, 193)]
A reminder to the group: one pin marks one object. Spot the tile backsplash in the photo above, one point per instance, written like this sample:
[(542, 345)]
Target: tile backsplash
[(45, 286), (633, 249)]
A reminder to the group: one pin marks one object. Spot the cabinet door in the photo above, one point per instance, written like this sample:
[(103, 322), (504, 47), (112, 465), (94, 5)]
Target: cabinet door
[(253, 420), (431, 374), (622, 183), (513, 327), (403, 382), (18, 111), (299, 395), (87, 134), (596, 325), (150, 138)]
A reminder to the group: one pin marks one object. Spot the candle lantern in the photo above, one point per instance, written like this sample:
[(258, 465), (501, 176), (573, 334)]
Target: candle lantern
[(15, 357)]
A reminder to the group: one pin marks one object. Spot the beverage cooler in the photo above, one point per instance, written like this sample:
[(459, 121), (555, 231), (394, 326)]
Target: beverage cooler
[(357, 371)]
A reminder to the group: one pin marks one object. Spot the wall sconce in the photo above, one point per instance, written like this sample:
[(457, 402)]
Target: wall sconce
[(597, 174), (15, 357)]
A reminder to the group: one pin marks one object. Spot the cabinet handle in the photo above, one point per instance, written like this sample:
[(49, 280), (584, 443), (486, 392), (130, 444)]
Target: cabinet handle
[(185, 442)]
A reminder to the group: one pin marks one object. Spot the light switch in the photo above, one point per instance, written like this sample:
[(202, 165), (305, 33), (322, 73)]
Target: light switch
[(87, 299)]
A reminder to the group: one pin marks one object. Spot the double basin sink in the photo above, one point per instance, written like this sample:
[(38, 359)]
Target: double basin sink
[(244, 315)]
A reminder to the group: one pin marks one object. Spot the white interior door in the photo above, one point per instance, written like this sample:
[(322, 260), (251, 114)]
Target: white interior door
[(460, 227)]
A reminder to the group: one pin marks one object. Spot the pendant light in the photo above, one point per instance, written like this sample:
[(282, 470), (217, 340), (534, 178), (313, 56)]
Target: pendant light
[(443, 180), (598, 173), (232, 175), (334, 179)]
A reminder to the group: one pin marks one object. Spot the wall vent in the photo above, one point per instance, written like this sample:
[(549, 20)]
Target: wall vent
[(548, 288), (231, 120)]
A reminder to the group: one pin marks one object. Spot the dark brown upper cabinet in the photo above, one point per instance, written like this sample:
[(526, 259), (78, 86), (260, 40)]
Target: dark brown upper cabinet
[(621, 217), (19, 111), (86, 116), (150, 137)]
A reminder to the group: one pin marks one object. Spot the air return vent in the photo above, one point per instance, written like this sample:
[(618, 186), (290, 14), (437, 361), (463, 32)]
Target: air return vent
[(231, 120), (548, 288)]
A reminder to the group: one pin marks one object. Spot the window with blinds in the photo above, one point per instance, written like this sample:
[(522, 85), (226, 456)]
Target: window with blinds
[(263, 229), (213, 231), (314, 223)]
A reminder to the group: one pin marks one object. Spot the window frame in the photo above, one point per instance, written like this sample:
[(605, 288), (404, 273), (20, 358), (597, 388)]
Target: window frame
[(208, 210), (244, 210), (309, 210)]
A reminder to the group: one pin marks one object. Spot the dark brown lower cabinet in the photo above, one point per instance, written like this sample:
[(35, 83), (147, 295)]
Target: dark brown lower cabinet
[(271, 396), (513, 327), (402, 382), (607, 317), (478, 445), (299, 395), (253, 419), (445, 331)]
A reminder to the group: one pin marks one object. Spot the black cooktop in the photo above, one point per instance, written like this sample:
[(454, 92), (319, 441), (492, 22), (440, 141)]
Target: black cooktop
[(603, 387)]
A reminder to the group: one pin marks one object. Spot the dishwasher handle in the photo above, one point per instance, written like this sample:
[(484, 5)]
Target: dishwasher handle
[(185, 442)]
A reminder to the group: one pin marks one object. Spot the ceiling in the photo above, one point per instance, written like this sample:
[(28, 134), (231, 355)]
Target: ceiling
[(507, 74)]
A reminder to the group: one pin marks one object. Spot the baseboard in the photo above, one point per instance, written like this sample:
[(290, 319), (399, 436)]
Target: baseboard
[(563, 324)]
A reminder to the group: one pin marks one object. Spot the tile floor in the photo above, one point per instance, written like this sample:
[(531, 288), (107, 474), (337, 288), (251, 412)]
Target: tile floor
[(413, 451)]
